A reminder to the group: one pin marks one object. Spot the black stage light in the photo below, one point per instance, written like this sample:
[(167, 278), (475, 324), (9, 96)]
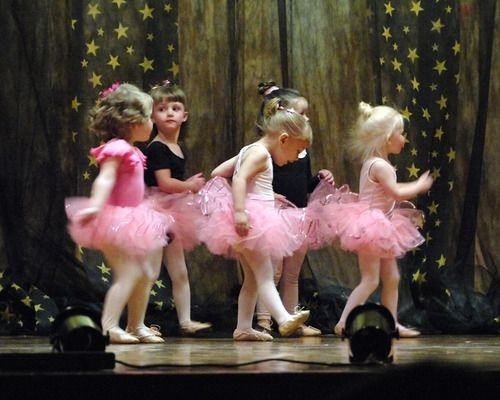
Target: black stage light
[(370, 329), (76, 329)]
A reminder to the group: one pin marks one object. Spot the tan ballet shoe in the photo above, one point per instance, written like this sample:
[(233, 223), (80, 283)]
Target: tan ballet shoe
[(146, 335), (307, 330), (266, 325), (296, 320), (251, 335), (406, 333), (193, 327), (118, 336)]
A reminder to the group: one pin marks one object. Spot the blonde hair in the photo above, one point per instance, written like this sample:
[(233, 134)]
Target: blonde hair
[(278, 118), (269, 90), (373, 127), (118, 109)]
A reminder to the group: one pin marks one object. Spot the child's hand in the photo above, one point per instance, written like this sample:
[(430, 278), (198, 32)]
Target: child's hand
[(196, 182), (425, 182), (326, 176), (85, 215), (279, 197), (241, 223)]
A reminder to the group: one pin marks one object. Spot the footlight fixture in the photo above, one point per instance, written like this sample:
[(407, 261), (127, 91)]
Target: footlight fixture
[(76, 329), (370, 329)]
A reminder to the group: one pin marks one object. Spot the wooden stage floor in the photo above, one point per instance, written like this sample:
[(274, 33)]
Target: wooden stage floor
[(216, 368)]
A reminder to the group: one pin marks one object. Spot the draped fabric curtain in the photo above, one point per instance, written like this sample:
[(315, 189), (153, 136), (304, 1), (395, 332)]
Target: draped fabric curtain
[(433, 60)]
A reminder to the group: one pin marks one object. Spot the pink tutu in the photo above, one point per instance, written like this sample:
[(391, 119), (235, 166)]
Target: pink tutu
[(323, 209), (273, 232), (370, 230), (134, 230), (185, 210)]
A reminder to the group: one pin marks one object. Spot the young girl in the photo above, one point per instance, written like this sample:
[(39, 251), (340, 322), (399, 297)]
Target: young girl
[(293, 182), (376, 227), (174, 194), (115, 219), (242, 221)]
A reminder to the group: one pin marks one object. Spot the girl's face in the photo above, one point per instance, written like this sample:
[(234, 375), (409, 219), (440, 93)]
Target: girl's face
[(169, 116), (395, 143), (288, 149), (301, 106), (141, 132)]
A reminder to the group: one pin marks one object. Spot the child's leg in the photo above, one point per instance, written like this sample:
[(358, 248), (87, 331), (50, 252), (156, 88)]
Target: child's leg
[(369, 268), (262, 313), (175, 263), (177, 270), (289, 283), (247, 297), (126, 273), (262, 268), (138, 303), (390, 277), (289, 287), (136, 311)]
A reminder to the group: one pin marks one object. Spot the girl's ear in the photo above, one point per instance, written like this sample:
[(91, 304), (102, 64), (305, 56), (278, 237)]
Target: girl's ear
[(283, 137), (185, 116)]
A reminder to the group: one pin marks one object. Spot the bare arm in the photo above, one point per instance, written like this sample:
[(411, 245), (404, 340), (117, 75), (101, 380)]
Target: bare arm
[(101, 188), (171, 185), (225, 169), (383, 173)]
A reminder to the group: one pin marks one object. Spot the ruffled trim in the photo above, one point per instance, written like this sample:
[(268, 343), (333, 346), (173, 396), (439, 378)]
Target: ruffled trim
[(371, 231), (185, 210), (273, 232), (119, 148), (134, 230), (323, 209)]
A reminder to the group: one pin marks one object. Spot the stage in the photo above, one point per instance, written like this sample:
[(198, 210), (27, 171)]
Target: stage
[(215, 368)]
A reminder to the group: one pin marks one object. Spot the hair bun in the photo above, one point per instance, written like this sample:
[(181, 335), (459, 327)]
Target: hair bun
[(264, 88), (365, 109)]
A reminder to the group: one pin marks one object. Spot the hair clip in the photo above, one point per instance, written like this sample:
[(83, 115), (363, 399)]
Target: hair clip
[(104, 93), (270, 90), (288, 110), (165, 84)]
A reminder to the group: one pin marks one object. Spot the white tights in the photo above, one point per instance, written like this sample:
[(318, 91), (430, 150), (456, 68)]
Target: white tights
[(175, 262), (133, 278), (286, 274), (258, 282)]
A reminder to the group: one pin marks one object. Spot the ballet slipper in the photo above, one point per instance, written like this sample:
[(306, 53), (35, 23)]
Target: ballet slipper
[(338, 330), (153, 330), (146, 335), (119, 336), (266, 325), (307, 330), (251, 335), (295, 321), (405, 333), (193, 327)]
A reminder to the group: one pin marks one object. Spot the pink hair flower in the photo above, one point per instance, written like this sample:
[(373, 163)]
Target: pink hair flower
[(104, 93)]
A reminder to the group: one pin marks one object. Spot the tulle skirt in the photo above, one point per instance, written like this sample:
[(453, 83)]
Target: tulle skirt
[(274, 231), (133, 230), (185, 210), (371, 231), (323, 210)]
